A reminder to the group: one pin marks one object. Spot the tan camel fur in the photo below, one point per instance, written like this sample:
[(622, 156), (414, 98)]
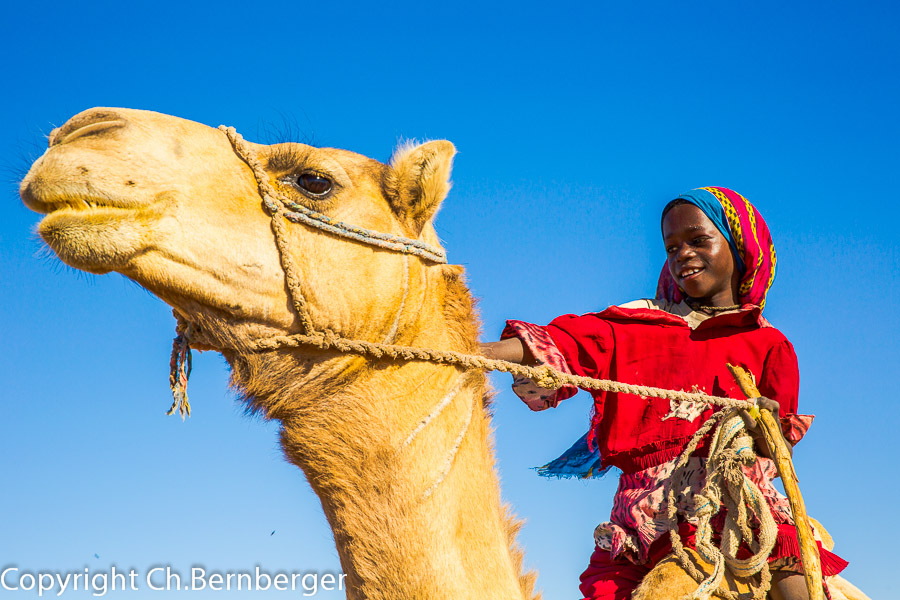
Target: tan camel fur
[(668, 580), (400, 454), (166, 202)]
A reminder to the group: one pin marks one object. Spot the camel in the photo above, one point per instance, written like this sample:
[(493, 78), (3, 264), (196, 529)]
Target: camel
[(399, 452)]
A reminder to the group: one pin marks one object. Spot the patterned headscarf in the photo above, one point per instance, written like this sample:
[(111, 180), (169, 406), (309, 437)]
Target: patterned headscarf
[(748, 236)]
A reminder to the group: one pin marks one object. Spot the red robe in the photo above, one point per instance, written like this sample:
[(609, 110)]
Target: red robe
[(656, 348)]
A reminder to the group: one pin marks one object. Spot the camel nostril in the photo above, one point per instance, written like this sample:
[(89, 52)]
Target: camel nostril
[(87, 123), (51, 139)]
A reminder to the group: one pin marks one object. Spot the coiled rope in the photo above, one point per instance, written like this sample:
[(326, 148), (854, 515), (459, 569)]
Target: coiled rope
[(726, 484)]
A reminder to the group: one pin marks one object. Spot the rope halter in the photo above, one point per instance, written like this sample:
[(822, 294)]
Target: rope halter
[(285, 209), (297, 213), (281, 208)]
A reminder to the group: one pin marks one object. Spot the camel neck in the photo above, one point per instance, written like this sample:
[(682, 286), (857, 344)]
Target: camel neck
[(401, 461), (399, 454)]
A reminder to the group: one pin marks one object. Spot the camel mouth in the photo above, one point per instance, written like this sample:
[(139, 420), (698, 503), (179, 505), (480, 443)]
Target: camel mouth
[(47, 197), (74, 204), (97, 240), (90, 231)]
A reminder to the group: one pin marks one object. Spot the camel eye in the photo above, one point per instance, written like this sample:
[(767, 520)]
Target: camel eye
[(314, 184)]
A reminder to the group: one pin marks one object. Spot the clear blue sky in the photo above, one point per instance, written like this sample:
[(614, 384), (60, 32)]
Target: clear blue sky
[(575, 123)]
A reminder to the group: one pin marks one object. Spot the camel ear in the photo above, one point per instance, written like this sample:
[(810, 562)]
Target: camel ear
[(417, 180)]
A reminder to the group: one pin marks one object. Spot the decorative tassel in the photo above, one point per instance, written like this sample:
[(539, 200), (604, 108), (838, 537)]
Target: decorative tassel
[(180, 370)]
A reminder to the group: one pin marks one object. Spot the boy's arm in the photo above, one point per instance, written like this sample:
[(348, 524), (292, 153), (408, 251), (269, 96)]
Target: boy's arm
[(565, 338), (514, 350), (511, 349)]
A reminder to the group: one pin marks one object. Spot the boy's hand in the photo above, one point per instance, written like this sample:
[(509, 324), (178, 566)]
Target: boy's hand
[(762, 403), (753, 426)]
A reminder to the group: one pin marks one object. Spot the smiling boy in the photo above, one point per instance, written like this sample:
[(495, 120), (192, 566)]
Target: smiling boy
[(707, 313)]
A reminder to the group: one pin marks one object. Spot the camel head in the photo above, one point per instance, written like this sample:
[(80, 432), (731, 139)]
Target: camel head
[(398, 452), (168, 203)]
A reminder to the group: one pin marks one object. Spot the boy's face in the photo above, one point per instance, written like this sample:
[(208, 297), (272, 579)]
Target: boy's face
[(699, 257)]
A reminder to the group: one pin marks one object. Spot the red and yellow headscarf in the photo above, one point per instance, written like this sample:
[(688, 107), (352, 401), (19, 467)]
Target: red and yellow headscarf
[(748, 236)]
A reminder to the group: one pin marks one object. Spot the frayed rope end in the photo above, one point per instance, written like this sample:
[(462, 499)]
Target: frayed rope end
[(179, 372)]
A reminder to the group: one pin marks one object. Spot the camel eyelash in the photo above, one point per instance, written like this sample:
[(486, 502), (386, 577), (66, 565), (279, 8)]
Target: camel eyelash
[(286, 158)]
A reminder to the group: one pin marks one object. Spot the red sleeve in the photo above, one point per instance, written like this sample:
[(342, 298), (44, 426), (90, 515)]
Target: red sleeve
[(579, 345), (585, 342), (780, 381), (544, 350)]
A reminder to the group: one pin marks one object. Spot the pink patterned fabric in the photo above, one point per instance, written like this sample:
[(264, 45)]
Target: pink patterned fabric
[(794, 427), (637, 518), (545, 351)]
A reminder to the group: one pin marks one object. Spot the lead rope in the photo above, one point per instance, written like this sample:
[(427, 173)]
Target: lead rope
[(725, 469)]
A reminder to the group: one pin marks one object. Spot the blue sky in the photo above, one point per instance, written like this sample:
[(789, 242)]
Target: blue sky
[(575, 123)]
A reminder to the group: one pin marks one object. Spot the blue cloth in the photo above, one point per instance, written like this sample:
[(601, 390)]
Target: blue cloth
[(712, 208), (578, 461)]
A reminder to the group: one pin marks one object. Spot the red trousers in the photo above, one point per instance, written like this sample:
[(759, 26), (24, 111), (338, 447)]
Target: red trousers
[(615, 579), (608, 579)]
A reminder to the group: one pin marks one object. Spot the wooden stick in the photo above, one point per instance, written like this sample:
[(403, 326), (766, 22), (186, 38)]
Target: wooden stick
[(778, 448)]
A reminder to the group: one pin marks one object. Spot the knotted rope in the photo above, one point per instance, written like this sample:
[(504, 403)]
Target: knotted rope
[(729, 448), (543, 375)]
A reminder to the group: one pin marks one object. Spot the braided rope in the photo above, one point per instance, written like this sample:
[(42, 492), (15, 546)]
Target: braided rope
[(180, 369), (298, 301), (543, 375)]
